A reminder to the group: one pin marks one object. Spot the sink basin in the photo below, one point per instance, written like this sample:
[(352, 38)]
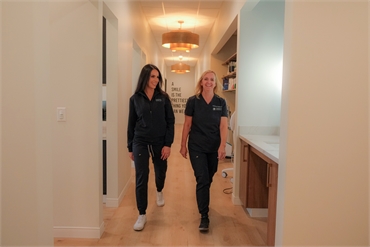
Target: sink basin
[(274, 144)]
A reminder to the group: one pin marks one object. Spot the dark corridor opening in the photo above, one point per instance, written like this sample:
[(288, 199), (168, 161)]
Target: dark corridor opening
[(104, 110)]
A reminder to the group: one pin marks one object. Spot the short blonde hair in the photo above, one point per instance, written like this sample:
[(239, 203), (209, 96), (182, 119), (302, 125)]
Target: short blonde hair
[(199, 88)]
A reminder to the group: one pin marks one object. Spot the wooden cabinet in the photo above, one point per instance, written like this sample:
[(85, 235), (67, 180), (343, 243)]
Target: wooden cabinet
[(258, 185), (244, 151), (229, 79)]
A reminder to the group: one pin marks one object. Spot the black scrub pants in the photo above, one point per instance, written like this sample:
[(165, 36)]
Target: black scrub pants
[(142, 153), (204, 166)]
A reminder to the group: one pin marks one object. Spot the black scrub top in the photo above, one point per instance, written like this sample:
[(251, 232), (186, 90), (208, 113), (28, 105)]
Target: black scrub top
[(204, 134)]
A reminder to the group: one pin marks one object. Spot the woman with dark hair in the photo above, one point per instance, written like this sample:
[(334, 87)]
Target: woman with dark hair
[(206, 126), (150, 132)]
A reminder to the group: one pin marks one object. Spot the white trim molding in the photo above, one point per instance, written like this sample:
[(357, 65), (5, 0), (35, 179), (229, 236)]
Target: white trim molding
[(78, 232), (111, 202)]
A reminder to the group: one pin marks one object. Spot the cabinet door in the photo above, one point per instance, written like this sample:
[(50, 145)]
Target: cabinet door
[(271, 221), (244, 150), (257, 190)]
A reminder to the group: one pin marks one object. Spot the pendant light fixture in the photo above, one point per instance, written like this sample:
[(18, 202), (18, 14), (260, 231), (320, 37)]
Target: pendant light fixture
[(180, 68), (180, 40)]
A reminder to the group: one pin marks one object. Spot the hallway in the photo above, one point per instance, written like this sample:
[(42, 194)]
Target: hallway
[(176, 224)]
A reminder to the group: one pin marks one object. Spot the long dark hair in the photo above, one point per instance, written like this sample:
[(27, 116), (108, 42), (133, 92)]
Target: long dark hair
[(144, 79)]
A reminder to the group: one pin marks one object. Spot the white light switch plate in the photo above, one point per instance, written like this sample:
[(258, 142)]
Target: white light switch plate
[(61, 114)]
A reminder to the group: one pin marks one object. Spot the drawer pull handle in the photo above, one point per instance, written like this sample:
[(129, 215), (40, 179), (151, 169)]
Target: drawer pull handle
[(268, 179)]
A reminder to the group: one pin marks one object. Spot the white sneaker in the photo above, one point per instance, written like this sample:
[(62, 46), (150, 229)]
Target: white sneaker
[(141, 220), (160, 199)]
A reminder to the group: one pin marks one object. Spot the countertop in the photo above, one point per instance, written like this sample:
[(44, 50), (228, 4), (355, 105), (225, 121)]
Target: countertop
[(266, 144)]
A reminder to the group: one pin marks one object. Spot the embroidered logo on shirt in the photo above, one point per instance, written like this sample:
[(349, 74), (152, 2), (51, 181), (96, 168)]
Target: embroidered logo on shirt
[(217, 108), (158, 100)]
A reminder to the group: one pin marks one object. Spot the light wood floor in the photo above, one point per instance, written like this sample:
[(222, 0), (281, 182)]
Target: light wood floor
[(176, 224)]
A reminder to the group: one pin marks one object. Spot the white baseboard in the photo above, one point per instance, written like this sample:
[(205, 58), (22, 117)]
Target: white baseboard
[(78, 232), (90, 232), (257, 212), (115, 202)]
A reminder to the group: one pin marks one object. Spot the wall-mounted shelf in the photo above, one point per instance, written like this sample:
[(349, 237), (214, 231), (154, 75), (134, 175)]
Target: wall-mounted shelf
[(230, 75), (229, 90), (229, 80), (230, 59)]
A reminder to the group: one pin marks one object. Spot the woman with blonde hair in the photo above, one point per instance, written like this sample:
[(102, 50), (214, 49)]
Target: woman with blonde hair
[(205, 132)]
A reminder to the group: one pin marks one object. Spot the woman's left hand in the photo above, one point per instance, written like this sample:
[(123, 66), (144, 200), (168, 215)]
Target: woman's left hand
[(166, 151)]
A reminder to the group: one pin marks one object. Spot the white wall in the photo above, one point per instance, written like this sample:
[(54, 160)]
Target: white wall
[(260, 58), (180, 87), (217, 38), (324, 164), (114, 170), (75, 52), (1, 121), (368, 64), (124, 11), (26, 118), (133, 34)]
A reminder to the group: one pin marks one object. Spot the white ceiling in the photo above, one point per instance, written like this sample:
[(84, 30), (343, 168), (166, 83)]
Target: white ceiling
[(198, 17)]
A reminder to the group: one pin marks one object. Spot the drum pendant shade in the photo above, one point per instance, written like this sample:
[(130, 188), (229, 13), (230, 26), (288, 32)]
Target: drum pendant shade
[(180, 40), (180, 68)]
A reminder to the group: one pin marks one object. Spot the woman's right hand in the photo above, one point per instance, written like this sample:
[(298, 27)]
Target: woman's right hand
[(131, 155), (184, 151)]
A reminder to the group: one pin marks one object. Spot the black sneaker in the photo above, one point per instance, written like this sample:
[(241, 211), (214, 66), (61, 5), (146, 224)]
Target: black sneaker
[(204, 223)]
